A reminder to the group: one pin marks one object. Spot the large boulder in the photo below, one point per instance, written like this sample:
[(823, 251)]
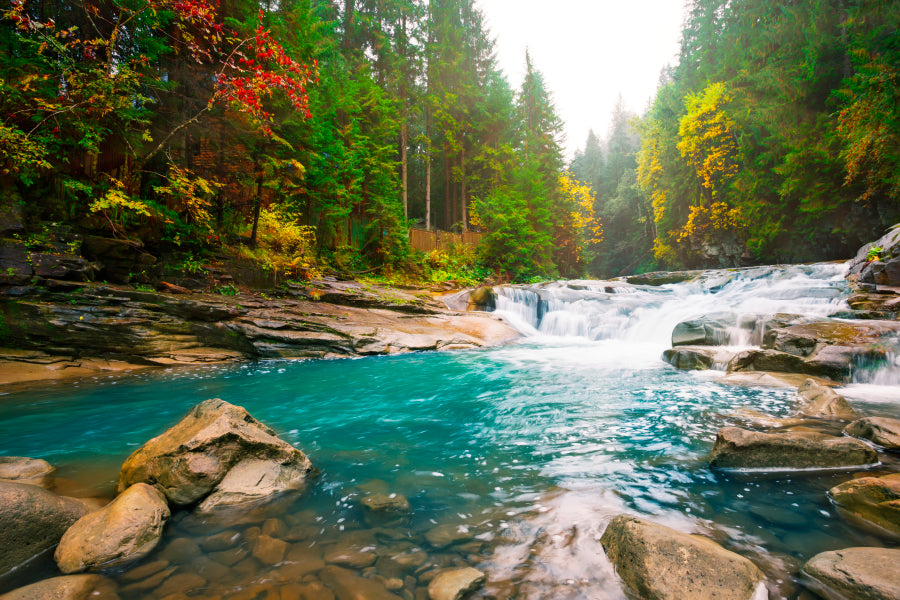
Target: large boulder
[(217, 449), (822, 402), (873, 502), (126, 529), (709, 330), (870, 573), (32, 520), (883, 431), (659, 563), (454, 584), (739, 449), (26, 470), (69, 587), (697, 357)]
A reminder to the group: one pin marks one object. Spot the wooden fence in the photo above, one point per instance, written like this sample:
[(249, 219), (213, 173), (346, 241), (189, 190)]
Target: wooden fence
[(426, 241)]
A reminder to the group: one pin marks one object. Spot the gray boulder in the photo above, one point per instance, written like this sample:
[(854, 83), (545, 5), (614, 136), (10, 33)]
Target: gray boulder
[(737, 448), (126, 529), (32, 520), (708, 330), (883, 431), (69, 587), (26, 470), (454, 584), (872, 502), (659, 563), (870, 573), (696, 358), (822, 402), (218, 452)]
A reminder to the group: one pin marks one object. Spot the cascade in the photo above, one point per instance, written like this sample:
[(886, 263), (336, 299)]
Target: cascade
[(615, 310)]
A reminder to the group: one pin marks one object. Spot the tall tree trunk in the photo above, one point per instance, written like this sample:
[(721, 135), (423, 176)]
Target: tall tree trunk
[(462, 190), (404, 166), (428, 189), (349, 15), (256, 208), (448, 193)]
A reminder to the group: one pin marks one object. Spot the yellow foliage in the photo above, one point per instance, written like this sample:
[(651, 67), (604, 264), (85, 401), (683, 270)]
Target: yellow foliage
[(285, 246), (190, 194), (588, 228), (716, 217), (708, 139)]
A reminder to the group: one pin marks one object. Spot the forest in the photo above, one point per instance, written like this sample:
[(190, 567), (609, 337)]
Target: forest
[(310, 135)]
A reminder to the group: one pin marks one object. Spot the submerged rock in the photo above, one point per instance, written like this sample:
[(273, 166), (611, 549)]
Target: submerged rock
[(659, 563), (393, 503), (455, 584), (871, 573), (32, 520), (69, 587), (883, 431), (737, 448), (347, 585), (662, 277), (125, 530), (218, 452), (822, 402), (756, 418), (20, 469), (873, 502)]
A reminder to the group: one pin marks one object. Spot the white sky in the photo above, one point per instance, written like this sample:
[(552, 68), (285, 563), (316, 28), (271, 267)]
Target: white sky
[(589, 51)]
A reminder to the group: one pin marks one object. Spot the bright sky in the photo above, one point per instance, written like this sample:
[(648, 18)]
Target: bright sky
[(589, 51)]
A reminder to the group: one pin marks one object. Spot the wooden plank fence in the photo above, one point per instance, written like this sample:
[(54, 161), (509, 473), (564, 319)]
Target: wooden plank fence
[(426, 241)]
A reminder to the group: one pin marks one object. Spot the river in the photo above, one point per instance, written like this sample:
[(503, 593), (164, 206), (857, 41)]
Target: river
[(525, 451)]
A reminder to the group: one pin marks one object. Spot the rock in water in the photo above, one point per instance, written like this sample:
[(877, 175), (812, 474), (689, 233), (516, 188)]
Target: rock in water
[(394, 503), (870, 573), (737, 448), (823, 402), (455, 584), (659, 563), (217, 450), (25, 470), (31, 521), (347, 585), (872, 501), (126, 529), (70, 587), (883, 431)]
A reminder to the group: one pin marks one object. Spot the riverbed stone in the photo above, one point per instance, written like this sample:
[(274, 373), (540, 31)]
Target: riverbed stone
[(125, 530), (883, 431), (447, 535), (21, 469), (659, 563), (454, 584), (218, 452), (31, 521), (269, 550), (392, 503), (870, 573), (822, 402), (873, 502), (68, 587), (708, 330), (737, 448), (349, 586), (756, 418), (695, 358)]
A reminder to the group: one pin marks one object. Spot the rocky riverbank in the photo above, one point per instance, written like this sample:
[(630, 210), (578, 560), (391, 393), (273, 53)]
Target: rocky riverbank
[(65, 328)]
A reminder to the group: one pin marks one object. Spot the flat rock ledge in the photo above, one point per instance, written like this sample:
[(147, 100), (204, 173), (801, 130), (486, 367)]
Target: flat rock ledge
[(880, 430), (659, 563), (870, 573), (219, 454), (68, 587), (125, 530), (742, 449), (871, 502)]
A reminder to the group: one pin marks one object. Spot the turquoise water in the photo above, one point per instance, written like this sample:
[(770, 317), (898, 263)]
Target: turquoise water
[(531, 448), (525, 451)]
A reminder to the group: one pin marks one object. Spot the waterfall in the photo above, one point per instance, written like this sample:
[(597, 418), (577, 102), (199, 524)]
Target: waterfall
[(642, 314)]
